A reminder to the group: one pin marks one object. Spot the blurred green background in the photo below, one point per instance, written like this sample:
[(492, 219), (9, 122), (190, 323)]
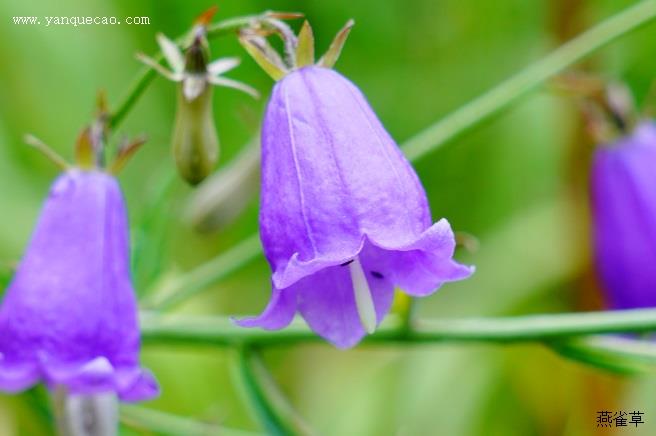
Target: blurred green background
[(517, 183)]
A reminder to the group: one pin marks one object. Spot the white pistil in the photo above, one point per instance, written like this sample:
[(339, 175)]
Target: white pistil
[(363, 299)]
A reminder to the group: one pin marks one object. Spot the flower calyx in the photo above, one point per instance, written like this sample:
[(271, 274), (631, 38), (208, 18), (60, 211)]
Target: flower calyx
[(299, 50), (91, 145), (191, 66)]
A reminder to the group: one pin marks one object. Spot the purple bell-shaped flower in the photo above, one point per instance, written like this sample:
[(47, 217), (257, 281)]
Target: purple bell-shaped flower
[(624, 211), (344, 218), (69, 317)]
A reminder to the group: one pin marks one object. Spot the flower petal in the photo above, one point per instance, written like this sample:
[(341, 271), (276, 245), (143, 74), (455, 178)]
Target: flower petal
[(327, 303), (278, 313), (16, 377), (331, 173), (171, 52), (70, 314), (90, 377), (136, 384), (222, 65), (296, 269), (624, 207), (421, 267)]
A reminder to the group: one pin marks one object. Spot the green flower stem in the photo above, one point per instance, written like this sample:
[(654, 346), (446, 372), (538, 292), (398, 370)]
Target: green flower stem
[(149, 242), (141, 418), (251, 371), (616, 354), (138, 86), (205, 275), (501, 96), (462, 119), (146, 75), (212, 330), (572, 335)]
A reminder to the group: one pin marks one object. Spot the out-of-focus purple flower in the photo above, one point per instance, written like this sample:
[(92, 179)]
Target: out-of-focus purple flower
[(344, 217), (624, 213), (69, 318)]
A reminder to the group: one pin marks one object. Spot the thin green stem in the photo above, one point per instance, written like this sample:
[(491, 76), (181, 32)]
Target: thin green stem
[(249, 370), (463, 119), (221, 331), (159, 422), (616, 354), (409, 312), (501, 96), (571, 334), (149, 241), (277, 398), (205, 275), (138, 86)]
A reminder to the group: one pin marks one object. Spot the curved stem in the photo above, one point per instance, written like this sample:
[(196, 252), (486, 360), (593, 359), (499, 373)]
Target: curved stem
[(250, 369), (501, 96), (148, 246), (617, 354), (159, 422), (205, 275)]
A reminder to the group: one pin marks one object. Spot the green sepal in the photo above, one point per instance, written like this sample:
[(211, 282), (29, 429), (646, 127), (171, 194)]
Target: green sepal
[(305, 47), (264, 55), (330, 58), (47, 151), (85, 155), (125, 152)]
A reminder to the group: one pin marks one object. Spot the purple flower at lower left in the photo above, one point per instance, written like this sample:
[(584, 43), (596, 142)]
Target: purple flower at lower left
[(69, 317)]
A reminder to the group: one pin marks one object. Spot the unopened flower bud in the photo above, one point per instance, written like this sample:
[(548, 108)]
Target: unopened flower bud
[(195, 141)]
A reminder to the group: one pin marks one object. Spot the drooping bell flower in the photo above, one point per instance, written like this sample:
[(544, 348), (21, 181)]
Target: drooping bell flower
[(624, 217), (69, 316), (195, 142), (344, 218)]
